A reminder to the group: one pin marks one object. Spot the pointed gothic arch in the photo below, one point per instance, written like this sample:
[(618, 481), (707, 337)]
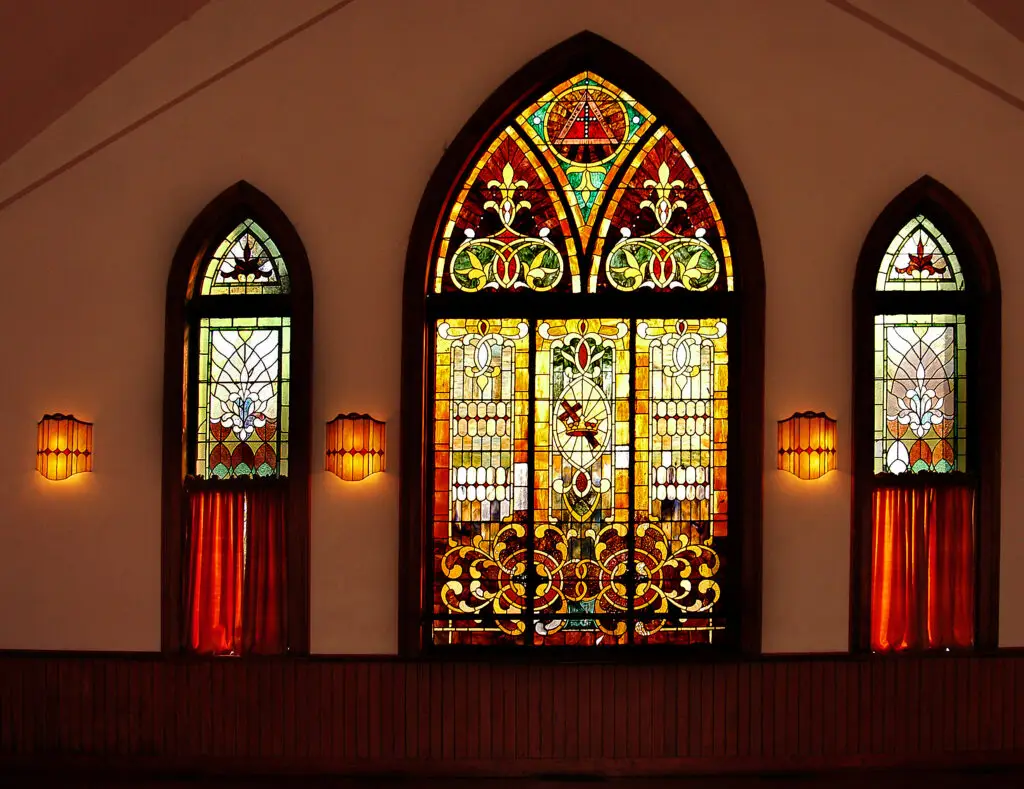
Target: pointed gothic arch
[(240, 262), (927, 265), (525, 218)]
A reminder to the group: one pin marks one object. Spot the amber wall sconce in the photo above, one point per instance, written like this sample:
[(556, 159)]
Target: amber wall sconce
[(807, 444), (355, 446), (63, 446)]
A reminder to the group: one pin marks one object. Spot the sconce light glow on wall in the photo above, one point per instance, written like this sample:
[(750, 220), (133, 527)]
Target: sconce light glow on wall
[(355, 446), (63, 446), (807, 444)]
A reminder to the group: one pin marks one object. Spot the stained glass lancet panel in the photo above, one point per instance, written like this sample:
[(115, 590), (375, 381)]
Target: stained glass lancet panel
[(581, 479), (662, 229), (920, 258), (243, 402), (508, 228), (246, 262), (680, 485), (481, 504), (920, 393)]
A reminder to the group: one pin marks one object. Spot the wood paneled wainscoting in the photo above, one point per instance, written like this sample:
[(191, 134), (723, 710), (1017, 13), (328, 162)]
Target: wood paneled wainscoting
[(384, 715)]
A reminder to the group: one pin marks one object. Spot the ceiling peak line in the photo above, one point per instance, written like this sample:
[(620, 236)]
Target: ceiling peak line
[(934, 55), (195, 89)]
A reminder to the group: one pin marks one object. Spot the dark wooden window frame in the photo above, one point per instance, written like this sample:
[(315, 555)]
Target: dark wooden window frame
[(234, 205), (980, 302), (744, 308)]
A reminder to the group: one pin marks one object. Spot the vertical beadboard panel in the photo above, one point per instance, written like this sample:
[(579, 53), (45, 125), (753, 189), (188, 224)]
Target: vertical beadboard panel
[(392, 713)]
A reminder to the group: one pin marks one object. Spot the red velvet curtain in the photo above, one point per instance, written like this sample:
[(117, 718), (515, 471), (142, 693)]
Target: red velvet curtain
[(216, 566), (263, 608), (237, 570), (922, 584)]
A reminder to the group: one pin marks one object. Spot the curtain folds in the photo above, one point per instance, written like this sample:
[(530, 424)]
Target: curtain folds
[(263, 609), (237, 571), (922, 584), (216, 566)]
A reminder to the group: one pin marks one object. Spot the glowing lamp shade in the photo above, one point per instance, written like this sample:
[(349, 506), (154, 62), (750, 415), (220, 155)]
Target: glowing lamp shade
[(63, 446), (355, 446), (807, 444)]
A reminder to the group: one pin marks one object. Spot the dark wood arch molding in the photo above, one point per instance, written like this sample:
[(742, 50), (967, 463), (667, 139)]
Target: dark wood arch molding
[(590, 51), (981, 302), (237, 203)]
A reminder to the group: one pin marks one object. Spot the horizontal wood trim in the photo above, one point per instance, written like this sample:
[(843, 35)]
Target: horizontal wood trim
[(387, 716)]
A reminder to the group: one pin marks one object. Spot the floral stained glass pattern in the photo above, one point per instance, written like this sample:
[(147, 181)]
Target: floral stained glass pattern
[(527, 212), (920, 258), (513, 226), (246, 262), (619, 407), (243, 402), (921, 393), (670, 234)]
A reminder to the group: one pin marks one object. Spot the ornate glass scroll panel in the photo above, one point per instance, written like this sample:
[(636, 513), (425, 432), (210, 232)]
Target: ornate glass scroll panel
[(579, 489)]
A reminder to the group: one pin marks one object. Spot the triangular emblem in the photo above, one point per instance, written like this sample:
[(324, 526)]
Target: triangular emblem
[(586, 125)]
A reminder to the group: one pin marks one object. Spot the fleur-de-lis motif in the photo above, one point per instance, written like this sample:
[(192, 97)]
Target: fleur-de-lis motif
[(664, 206), (508, 206), (921, 408)]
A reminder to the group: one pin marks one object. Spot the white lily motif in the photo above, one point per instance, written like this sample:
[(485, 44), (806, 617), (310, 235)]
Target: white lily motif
[(245, 388), (920, 408)]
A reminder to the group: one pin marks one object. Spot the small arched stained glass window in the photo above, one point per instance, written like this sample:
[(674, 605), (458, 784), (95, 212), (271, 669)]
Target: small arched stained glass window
[(242, 365), (237, 432)]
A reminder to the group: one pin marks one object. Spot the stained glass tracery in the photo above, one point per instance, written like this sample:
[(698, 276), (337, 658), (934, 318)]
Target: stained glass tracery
[(530, 209), (919, 258), (246, 262)]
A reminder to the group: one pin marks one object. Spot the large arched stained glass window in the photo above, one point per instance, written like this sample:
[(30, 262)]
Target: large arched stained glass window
[(582, 319), (237, 430), (927, 428)]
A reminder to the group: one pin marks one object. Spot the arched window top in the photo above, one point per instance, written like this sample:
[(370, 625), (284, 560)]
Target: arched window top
[(582, 188), (920, 258), (246, 262)]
